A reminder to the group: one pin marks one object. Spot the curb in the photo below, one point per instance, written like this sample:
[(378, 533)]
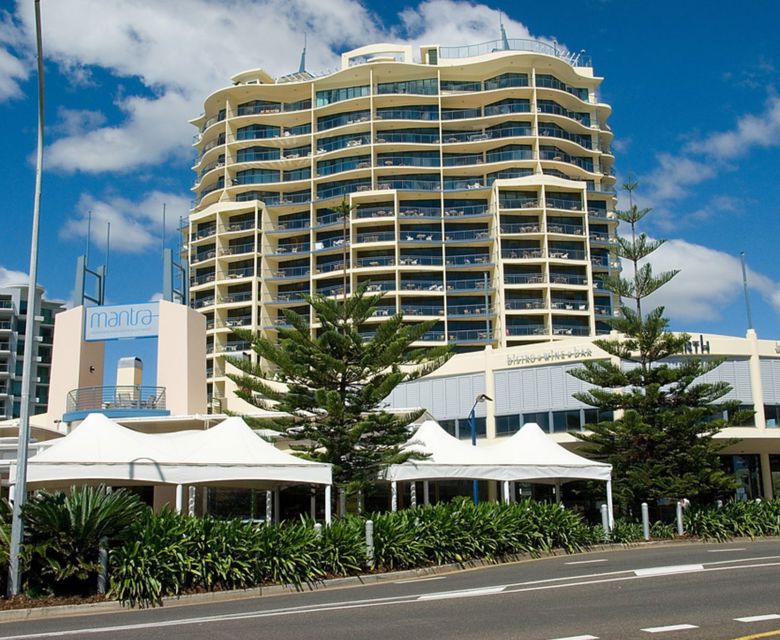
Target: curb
[(113, 606)]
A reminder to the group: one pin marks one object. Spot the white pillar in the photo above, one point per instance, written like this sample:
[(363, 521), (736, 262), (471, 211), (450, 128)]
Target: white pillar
[(11, 493), (506, 491), (557, 492), (191, 500), (756, 384), (610, 512), (426, 493), (766, 476), (393, 496), (179, 498), (327, 504), (269, 507), (413, 494)]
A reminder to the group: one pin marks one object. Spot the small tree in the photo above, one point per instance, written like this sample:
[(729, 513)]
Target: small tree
[(333, 384), (663, 444)]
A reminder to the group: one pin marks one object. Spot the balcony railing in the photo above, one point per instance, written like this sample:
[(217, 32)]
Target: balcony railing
[(419, 236), (468, 260), (465, 211), (524, 304), (469, 234), (427, 261), (519, 227), (468, 335), (422, 285), (375, 261), (422, 310), (526, 330), (524, 278), (116, 397)]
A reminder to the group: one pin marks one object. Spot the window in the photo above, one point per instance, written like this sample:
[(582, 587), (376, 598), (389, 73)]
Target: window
[(424, 87), (566, 421), (329, 96), (542, 418), (464, 428), (507, 425)]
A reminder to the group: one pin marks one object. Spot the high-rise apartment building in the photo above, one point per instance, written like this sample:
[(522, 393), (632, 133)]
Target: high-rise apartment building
[(13, 317), (479, 179)]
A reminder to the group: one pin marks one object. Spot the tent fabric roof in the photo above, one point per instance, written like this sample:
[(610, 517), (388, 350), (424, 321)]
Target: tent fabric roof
[(230, 453), (528, 455)]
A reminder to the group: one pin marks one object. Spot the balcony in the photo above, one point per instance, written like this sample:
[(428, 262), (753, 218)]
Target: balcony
[(563, 304), (286, 249), (422, 285), (468, 285), (409, 185), (570, 330), (468, 260), (375, 236), (327, 267), (524, 278), (410, 211), (199, 303), (407, 235), (288, 272), (115, 402), (375, 261), (526, 330), (561, 203), (566, 254), (238, 249), (468, 310), (285, 297), (465, 211), (518, 203), (6, 325), (521, 254), (422, 310), (524, 304), (519, 227), (231, 298), (566, 278), (420, 261), (406, 138), (468, 335), (467, 235), (407, 114), (374, 212)]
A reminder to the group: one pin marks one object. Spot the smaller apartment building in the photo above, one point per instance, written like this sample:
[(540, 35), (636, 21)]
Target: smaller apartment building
[(530, 384), (13, 318)]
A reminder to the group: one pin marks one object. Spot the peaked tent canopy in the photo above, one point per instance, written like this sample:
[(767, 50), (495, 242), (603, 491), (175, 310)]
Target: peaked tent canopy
[(536, 457), (229, 454)]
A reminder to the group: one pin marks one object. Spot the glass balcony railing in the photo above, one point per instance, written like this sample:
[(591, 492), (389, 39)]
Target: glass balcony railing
[(411, 235), (519, 227), (602, 309), (406, 114), (375, 236), (336, 290), (203, 232), (409, 185), (566, 278), (433, 336), (460, 114), (201, 256), (526, 330), (519, 253), (524, 278), (545, 106), (462, 161), (410, 211), (383, 311), (468, 335), (238, 321), (289, 272), (422, 310), (238, 249), (239, 225), (566, 254), (375, 212), (596, 236), (239, 296), (283, 297), (423, 261), (287, 225), (233, 347), (377, 287), (198, 280), (327, 267), (524, 304), (465, 210), (467, 285), (422, 285), (329, 219), (563, 304), (566, 229), (508, 202), (342, 142), (502, 109), (466, 184), (570, 330), (583, 141), (407, 161), (470, 234), (284, 249), (406, 138), (504, 156), (330, 243), (375, 261), (560, 203), (468, 310), (199, 303)]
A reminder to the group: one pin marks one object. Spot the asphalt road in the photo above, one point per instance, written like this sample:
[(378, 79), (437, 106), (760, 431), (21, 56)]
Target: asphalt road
[(694, 592)]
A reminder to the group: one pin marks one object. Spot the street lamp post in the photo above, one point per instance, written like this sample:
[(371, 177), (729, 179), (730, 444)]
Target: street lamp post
[(473, 423)]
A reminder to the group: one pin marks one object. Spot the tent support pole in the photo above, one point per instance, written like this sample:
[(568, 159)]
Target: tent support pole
[(327, 504), (557, 492), (413, 494), (506, 491), (269, 507), (393, 496), (191, 500), (179, 498), (610, 512), (426, 493)]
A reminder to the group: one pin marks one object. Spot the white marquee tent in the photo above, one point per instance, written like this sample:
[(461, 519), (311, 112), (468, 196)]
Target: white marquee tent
[(228, 454), (529, 455)]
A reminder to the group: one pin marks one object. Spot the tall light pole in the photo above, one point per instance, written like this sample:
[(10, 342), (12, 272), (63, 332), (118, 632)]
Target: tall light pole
[(29, 339), (473, 423)]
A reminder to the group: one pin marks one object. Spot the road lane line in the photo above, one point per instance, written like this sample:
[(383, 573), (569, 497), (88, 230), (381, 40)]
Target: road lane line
[(769, 616), (415, 580), (670, 569), (578, 638), (757, 636), (670, 627), (467, 593), (587, 561), (724, 550)]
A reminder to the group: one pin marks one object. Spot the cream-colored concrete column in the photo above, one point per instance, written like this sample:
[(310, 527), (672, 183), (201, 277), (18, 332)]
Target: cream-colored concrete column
[(490, 391), (756, 386), (766, 476)]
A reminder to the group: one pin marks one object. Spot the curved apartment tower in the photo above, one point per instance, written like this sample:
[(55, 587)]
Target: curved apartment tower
[(480, 183)]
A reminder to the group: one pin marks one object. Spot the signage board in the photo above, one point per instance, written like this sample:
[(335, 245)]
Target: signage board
[(117, 322)]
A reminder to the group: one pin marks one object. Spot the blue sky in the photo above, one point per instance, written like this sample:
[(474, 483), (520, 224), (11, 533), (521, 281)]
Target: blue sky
[(693, 86)]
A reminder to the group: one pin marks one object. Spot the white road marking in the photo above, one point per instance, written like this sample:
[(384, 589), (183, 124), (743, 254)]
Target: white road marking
[(418, 580), (670, 627), (724, 550), (468, 593), (769, 616), (578, 638), (664, 571), (587, 562)]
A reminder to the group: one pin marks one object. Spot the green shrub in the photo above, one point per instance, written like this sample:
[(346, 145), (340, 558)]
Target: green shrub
[(662, 530), (708, 523), (342, 548), (626, 532), (63, 534), (287, 553)]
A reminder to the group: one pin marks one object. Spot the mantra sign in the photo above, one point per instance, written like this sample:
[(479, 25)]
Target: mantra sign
[(121, 321)]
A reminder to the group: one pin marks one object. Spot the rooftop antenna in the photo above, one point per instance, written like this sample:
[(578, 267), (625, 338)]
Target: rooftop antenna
[(105, 267), (302, 65), (504, 39), (745, 287), (163, 229), (89, 235)]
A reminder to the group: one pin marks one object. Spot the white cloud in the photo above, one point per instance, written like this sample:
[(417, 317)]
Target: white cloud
[(13, 69), (135, 226), (709, 281), (74, 122), (10, 277), (182, 50)]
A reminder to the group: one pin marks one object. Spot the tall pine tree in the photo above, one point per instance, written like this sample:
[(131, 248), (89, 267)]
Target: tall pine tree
[(334, 381), (662, 446)]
